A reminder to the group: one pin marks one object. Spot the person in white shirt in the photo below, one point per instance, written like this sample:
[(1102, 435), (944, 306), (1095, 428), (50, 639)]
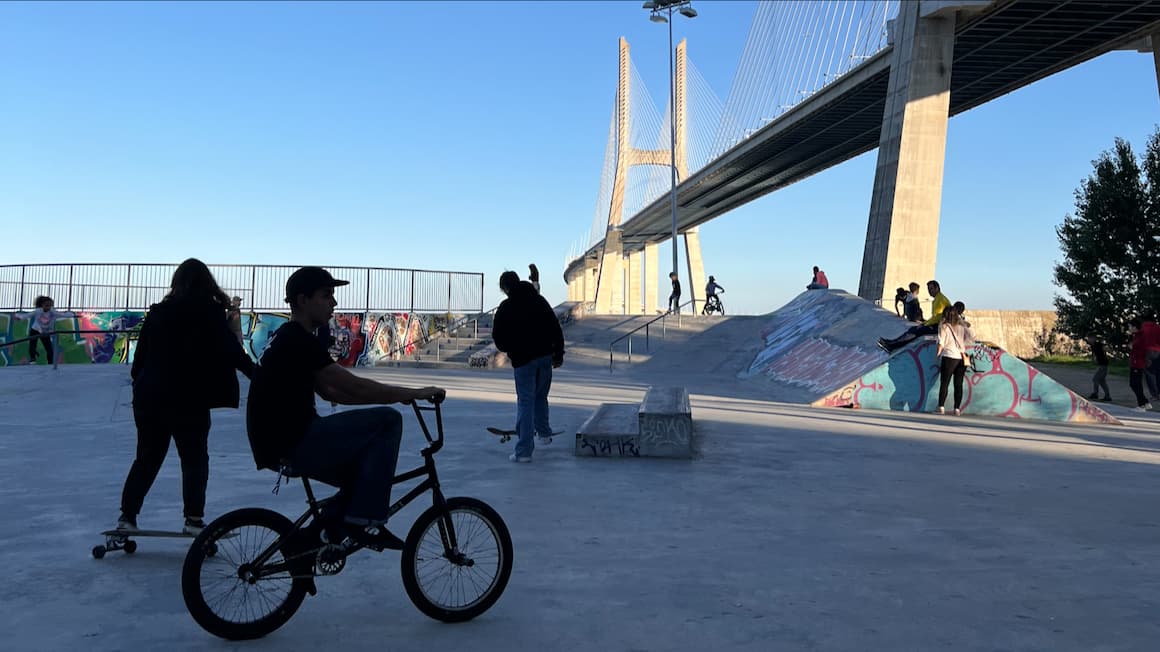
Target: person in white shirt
[(41, 326), (954, 336)]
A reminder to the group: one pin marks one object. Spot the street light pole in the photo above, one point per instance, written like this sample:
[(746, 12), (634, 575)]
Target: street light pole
[(673, 144), (685, 8)]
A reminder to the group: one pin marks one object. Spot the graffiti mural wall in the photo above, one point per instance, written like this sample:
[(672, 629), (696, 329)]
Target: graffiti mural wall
[(359, 339), (74, 348), (1002, 386)]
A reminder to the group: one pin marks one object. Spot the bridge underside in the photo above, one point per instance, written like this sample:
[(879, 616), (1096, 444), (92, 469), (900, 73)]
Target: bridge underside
[(1009, 45)]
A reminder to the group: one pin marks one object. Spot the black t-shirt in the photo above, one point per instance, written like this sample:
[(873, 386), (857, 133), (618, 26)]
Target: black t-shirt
[(281, 400), (1099, 354)]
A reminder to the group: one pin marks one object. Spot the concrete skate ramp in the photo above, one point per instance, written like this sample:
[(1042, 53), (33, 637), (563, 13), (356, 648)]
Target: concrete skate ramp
[(820, 348), (817, 343), (1001, 385)]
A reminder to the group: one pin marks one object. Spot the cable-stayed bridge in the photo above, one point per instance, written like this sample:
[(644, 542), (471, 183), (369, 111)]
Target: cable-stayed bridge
[(819, 82)]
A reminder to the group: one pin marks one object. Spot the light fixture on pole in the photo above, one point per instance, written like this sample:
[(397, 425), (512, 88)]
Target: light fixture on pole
[(662, 12)]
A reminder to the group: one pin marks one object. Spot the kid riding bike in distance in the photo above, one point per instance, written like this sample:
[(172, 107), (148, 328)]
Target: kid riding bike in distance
[(712, 301), (247, 573)]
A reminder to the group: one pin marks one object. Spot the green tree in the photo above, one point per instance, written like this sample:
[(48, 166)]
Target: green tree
[(1111, 246)]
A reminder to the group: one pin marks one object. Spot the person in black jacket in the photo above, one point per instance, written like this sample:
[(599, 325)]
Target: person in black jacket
[(183, 366), (527, 330)]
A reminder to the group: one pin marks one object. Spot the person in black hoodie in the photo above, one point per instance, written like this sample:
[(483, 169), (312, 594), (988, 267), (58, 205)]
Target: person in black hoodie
[(183, 366), (527, 330)]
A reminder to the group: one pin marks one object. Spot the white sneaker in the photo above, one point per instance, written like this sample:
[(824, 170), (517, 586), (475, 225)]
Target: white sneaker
[(193, 526), (519, 458), (127, 523), (1147, 406), (1143, 408), (958, 412), (941, 410)]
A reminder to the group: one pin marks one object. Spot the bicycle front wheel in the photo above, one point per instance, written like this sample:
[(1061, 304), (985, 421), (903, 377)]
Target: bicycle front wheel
[(457, 583), (225, 592)]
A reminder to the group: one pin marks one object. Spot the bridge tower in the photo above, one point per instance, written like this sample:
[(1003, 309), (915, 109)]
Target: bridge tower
[(612, 281), (902, 232)]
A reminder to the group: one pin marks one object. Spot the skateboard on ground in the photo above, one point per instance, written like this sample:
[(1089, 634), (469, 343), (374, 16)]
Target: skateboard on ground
[(123, 540), (506, 435)]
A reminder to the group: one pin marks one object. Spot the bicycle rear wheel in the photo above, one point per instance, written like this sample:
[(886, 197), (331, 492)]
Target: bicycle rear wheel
[(228, 596), (458, 584)]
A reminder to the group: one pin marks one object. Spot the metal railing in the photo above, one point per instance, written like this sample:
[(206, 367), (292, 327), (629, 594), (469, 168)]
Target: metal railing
[(136, 286), (645, 326)]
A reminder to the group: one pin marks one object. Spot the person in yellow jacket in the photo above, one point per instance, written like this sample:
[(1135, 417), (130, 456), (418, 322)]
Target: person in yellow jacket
[(928, 327)]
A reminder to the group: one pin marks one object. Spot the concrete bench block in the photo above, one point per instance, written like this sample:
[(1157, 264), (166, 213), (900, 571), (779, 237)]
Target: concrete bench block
[(611, 431), (665, 423)]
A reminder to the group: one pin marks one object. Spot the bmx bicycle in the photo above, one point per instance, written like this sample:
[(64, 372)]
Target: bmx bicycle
[(249, 570), (713, 304)]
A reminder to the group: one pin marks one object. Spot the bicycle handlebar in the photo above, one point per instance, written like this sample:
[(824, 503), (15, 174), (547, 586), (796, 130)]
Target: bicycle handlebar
[(437, 442)]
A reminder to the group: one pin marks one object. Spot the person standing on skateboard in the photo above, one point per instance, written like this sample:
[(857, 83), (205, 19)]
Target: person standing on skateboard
[(527, 330), (183, 366)]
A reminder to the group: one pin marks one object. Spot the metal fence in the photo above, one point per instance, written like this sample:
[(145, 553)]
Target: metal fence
[(124, 286)]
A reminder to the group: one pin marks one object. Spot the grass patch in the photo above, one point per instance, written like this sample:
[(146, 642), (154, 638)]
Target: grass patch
[(1115, 367)]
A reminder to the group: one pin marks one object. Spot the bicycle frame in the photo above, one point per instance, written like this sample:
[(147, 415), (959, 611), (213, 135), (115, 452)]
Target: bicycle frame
[(431, 483)]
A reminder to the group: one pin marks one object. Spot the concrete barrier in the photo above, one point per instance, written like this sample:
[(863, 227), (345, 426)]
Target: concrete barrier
[(660, 426), (665, 423)]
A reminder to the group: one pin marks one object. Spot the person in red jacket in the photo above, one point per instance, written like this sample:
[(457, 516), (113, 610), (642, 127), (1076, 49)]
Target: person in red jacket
[(1138, 363), (1151, 333)]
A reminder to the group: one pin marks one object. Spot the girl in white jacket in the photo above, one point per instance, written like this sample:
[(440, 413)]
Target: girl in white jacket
[(954, 336)]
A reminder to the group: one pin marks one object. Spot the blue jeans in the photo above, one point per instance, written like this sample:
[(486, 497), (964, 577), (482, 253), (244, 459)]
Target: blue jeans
[(533, 381), (356, 451)]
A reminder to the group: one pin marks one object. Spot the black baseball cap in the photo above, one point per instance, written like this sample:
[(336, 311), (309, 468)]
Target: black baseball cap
[(308, 280)]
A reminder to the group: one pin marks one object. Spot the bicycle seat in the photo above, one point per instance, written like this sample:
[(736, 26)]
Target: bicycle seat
[(287, 470)]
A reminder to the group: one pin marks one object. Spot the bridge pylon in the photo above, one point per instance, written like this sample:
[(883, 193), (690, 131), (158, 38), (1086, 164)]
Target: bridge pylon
[(902, 232), (623, 277)]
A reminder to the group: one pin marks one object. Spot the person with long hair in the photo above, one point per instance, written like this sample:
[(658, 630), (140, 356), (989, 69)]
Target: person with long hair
[(183, 366), (954, 334)]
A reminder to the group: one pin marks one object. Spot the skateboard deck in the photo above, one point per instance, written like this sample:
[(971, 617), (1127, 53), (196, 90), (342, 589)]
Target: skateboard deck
[(123, 539), (129, 534), (506, 435)]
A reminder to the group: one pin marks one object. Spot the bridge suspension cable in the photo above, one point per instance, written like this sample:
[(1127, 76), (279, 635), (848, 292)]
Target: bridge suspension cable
[(793, 49)]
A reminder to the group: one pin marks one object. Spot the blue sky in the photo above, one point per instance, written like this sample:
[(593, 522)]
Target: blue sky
[(468, 136)]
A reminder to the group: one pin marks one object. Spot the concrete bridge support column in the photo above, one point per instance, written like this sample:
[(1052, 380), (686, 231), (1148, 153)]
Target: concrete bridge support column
[(1155, 39), (651, 270), (632, 302), (590, 271), (610, 294), (902, 234), (694, 286)]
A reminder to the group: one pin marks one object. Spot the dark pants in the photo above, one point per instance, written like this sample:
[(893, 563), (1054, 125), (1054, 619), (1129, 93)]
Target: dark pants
[(1100, 381), (911, 334), (1152, 373), (45, 341), (533, 382), (356, 451), (675, 302), (155, 427), (1136, 382), (951, 367)]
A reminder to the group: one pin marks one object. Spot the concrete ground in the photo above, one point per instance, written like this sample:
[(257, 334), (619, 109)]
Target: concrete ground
[(797, 528)]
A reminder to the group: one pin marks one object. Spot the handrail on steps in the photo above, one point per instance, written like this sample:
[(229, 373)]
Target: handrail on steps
[(645, 326)]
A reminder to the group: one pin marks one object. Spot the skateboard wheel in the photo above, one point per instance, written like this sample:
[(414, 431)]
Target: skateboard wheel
[(130, 547), (98, 552)]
